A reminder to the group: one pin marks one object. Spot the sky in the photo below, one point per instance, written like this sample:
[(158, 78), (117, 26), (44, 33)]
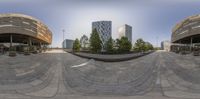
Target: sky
[(151, 20)]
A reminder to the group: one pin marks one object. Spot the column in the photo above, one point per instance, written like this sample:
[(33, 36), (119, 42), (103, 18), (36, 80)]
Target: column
[(191, 39), (40, 45), (30, 42), (11, 40)]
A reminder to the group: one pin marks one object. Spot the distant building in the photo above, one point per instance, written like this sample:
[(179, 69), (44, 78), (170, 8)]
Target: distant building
[(165, 45), (84, 41), (125, 30), (104, 28), (68, 44)]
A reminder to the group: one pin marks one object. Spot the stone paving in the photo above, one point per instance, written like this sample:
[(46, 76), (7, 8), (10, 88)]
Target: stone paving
[(179, 79), (60, 75), (134, 77)]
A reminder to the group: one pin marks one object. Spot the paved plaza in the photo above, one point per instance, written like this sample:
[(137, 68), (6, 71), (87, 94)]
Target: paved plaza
[(60, 75)]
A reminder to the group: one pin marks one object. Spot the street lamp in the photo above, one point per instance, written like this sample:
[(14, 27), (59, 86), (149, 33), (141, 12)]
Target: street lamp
[(63, 34), (157, 41), (63, 37)]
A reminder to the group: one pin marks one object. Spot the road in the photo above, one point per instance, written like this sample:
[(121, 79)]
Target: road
[(60, 75)]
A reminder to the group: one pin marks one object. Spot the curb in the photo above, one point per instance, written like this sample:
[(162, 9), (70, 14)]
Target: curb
[(112, 59)]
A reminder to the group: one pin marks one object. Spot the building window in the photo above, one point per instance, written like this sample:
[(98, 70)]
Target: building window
[(26, 23), (6, 25), (183, 32), (196, 27)]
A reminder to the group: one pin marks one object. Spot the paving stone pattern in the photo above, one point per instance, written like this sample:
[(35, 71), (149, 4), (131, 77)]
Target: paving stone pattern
[(60, 75)]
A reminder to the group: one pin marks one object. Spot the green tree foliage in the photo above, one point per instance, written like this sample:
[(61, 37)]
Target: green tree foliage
[(117, 41), (95, 42), (109, 46), (123, 44), (141, 45), (148, 46), (76, 46)]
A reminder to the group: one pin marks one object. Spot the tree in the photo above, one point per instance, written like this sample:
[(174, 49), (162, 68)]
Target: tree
[(76, 46), (117, 43), (148, 46), (84, 41), (123, 45), (109, 45), (95, 42), (141, 45)]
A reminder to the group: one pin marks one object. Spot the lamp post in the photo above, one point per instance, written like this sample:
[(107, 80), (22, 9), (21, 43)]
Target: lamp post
[(63, 38), (157, 41)]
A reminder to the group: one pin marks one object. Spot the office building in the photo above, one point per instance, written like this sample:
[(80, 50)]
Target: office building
[(126, 31), (186, 34), (104, 28), (67, 44), (165, 45), (20, 29)]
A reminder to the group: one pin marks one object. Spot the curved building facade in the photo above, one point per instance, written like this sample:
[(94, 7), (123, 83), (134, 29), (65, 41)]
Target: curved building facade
[(19, 28), (186, 34), (187, 31)]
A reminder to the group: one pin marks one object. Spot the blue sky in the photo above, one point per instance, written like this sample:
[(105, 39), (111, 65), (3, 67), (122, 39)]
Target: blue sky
[(151, 20)]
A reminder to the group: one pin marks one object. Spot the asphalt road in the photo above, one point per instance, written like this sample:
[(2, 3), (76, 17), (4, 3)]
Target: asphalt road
[(60, 75)]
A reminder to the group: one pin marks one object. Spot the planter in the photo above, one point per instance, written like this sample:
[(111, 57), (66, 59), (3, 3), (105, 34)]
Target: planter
[(12, 53), (196, 53), (40, 51), (35, 52), (26, 53)]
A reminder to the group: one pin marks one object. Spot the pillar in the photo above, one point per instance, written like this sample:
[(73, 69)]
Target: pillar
[(191, 39), (40, 45), (30, 42), (11, 40)]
